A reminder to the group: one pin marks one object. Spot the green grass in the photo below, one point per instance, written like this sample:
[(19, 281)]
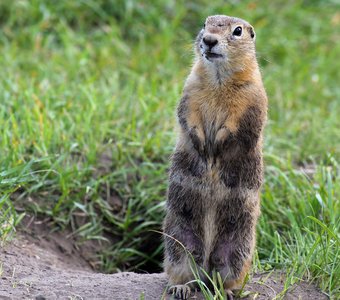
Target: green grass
[(85, 78)]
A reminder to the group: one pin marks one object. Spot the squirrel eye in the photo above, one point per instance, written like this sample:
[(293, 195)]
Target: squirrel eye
[(204, 25), (237, 31)]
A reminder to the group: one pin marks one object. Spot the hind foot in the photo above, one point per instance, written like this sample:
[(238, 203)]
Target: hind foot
[(180, 291)]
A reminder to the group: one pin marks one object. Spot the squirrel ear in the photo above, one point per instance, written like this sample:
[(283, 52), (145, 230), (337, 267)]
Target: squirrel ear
[(251, 32)]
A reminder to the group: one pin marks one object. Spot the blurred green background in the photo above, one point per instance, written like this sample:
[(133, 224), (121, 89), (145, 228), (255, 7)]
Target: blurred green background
[(87, 116)]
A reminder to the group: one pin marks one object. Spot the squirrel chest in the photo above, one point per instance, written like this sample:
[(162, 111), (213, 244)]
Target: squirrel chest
[(224, 127), (218, 114)]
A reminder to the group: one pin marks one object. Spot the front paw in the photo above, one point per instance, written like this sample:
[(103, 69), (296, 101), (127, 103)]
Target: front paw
[(222, 135), (198, 139)]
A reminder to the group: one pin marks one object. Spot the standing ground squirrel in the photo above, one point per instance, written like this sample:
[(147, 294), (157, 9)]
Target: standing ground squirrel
[(216, 169)]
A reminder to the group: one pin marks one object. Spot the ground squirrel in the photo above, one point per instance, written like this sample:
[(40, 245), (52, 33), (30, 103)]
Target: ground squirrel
[(216, 169)]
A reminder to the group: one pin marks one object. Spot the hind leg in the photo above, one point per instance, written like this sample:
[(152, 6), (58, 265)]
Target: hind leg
[(233, 261), (179, 270), (230, 285), (183, 234), (182, 247), (179, 276)]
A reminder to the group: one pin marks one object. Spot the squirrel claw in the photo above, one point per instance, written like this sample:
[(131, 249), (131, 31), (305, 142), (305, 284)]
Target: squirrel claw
[(181, 291)]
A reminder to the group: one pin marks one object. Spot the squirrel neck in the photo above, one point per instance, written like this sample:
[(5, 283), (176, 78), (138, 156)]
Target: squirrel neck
[(223, 75)]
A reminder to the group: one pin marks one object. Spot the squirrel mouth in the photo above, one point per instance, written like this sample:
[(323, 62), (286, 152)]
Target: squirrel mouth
[(211, 55)]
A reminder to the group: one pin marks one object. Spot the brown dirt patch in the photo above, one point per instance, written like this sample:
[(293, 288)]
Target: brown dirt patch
[(31, 268), (62, 244), (30, 272)]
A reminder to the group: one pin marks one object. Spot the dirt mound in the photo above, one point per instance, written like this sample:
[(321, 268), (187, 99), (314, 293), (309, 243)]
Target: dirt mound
[(29, 271)]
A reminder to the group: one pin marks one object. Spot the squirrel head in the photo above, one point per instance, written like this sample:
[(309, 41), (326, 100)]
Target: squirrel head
[(226, 42)]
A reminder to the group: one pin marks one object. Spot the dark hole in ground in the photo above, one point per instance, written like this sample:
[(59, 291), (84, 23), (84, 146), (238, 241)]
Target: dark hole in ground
[(153, 245), (90, 254)]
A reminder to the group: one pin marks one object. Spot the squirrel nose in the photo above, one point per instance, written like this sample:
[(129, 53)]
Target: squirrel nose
[(210, 41)]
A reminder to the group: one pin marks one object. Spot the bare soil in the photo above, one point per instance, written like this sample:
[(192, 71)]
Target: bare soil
[(49, 266)]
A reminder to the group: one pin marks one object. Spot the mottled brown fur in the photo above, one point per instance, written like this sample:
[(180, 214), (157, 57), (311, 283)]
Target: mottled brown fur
[(216, 171)]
